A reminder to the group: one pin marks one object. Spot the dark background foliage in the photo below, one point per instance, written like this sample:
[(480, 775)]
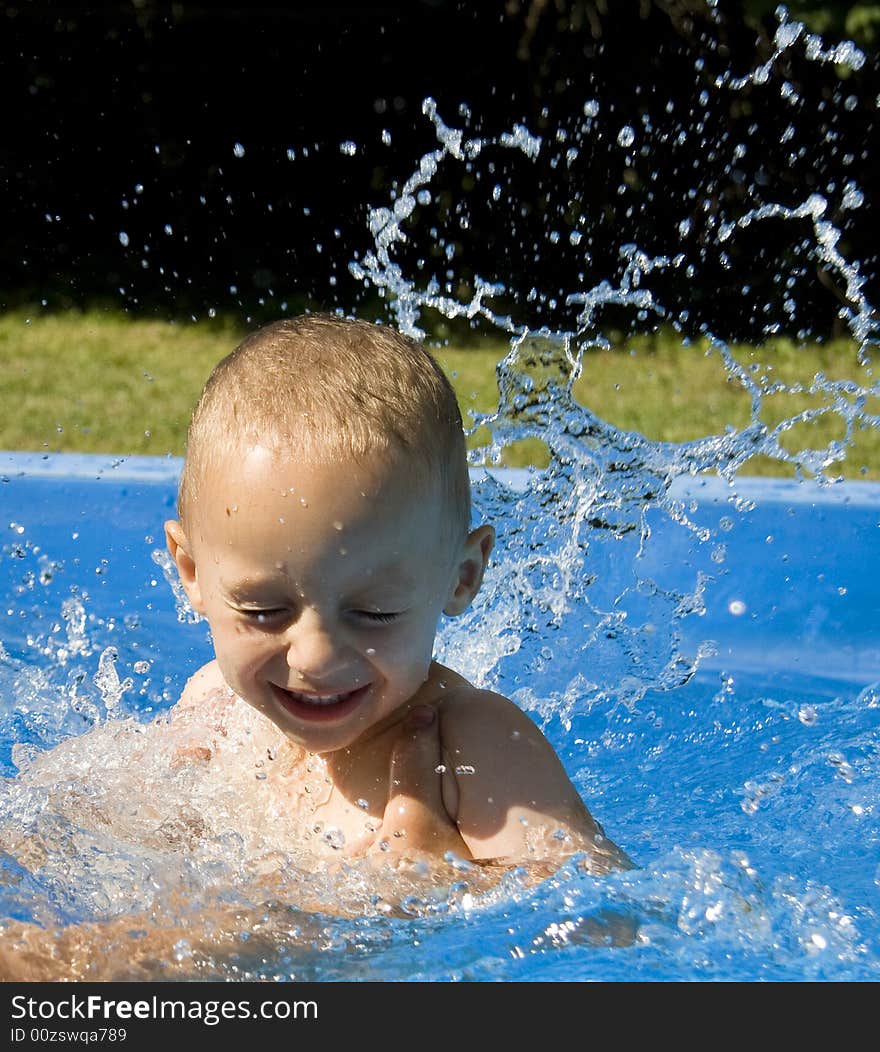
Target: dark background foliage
[(185, 159)]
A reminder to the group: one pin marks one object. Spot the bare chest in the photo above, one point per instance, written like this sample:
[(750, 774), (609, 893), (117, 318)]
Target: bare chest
[(330, 820)]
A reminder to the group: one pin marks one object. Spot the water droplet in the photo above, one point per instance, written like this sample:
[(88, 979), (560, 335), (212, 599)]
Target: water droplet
[(334, 838)]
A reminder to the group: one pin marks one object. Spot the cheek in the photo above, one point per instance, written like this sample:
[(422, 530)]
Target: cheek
[(410, 645), (238, 646)]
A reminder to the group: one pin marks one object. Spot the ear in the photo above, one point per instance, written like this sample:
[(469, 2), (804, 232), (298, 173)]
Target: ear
[(470, 569), (178, 547)]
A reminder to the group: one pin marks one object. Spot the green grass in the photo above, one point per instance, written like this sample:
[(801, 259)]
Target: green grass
[(673, 393), (101, 382)]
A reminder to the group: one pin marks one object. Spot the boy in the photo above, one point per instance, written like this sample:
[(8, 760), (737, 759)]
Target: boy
[(324, 528)]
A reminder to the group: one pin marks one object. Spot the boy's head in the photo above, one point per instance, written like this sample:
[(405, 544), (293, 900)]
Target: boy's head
[(331, 389), (324, 509)]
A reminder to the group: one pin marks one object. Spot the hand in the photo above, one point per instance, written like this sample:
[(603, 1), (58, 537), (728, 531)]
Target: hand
[(416, 824)]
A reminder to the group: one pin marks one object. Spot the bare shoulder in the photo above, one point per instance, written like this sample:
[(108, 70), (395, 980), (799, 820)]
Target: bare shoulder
[(201, 685), (210, 718), (514, 798), (473, 719), (200, 717)]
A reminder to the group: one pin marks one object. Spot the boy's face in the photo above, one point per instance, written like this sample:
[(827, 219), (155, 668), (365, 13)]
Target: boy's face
[(323, 586)]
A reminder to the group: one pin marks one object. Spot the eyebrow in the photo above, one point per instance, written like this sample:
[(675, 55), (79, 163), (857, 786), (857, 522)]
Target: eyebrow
[(390, 577), (250, 582)]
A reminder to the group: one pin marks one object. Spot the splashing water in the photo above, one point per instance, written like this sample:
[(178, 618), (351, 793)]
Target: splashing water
[(746, 791)]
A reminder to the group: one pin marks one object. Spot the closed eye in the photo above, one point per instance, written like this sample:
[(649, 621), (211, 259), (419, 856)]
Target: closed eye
[(381, 617), (261, 615)]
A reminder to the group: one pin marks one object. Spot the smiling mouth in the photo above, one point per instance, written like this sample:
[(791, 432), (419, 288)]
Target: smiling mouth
[(305, 705)]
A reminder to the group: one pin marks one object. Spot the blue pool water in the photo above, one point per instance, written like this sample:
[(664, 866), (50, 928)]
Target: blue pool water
[(711, 680)]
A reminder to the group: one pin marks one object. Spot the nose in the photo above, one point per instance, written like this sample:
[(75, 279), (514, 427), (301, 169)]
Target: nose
[(314, 650)]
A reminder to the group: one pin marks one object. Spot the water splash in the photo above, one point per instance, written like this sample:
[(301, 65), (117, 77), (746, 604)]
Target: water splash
[(108, 683), (604, 488), (185, 612)]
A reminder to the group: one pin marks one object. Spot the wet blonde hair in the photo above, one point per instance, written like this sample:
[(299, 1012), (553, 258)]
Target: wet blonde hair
[(329, 388)]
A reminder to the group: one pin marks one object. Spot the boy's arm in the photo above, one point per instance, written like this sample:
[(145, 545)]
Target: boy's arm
[(515, 801), (416, 835), (416, 824)]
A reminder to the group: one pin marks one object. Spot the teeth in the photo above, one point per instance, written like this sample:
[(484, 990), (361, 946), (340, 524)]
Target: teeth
[(317, 699)]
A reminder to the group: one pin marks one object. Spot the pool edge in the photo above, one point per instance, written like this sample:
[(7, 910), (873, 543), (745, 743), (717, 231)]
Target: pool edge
[(708, 488)]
